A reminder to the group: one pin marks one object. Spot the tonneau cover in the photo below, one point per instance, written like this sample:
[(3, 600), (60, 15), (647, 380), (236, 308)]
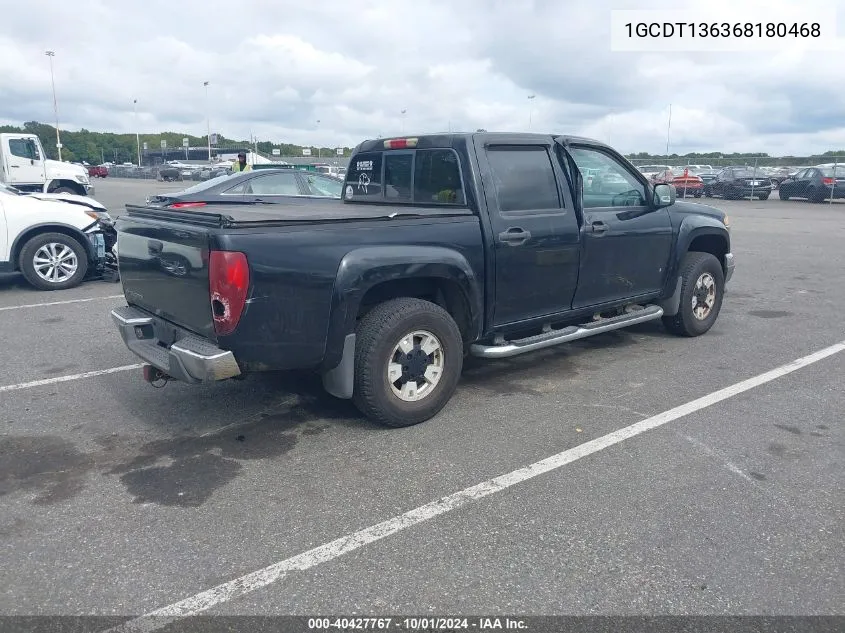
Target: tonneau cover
[(306, 210)]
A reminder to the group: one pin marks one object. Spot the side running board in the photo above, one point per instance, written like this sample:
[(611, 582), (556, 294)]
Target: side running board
[(567, 334)]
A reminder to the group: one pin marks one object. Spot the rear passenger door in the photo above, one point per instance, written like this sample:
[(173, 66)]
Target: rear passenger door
[(535, 231)]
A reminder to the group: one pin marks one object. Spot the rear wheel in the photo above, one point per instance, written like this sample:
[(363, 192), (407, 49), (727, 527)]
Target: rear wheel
[(53, 261), (783, 195), (702, 288), (408, 359), (62, 190), (764, 196)]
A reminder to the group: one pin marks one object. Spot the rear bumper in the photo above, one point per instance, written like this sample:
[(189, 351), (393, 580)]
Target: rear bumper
[(729, 266), (189, 358)]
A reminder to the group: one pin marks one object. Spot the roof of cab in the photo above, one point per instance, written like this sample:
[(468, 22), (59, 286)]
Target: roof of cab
[(447, 139)]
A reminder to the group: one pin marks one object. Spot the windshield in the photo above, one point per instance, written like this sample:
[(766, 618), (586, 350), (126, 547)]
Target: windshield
[(652, 168), (747, 173), (204, 185)]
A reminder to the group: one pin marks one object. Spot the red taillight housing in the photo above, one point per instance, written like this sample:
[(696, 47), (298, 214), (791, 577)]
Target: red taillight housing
[(185, 205), (828, 181), (228, 276)]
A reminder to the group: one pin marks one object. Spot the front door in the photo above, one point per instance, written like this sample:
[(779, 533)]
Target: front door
[(535, 231), (626, 244), (26, 165)]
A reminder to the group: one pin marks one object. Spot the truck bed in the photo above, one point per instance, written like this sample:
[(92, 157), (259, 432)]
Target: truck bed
[(294, 252)]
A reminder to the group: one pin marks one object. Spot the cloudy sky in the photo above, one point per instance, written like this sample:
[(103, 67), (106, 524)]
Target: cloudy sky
[(276, 67)]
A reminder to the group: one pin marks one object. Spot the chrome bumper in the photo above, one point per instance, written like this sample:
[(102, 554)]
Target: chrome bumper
[(189, 358), (729, 267)]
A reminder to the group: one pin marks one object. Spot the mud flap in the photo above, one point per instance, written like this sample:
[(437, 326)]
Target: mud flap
[(340, 381)]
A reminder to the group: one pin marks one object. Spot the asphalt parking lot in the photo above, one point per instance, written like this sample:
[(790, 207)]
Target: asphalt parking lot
[(119, 498)]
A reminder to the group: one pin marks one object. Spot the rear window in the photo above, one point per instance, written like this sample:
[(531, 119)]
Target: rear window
[(425, 176), (827, 172), (363, 179)]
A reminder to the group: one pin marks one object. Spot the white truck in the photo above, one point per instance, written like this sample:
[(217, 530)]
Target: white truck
[(24, 166), (55, 239)]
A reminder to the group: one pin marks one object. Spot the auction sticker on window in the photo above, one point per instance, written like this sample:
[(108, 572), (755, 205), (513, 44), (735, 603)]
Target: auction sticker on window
[(721, 26)]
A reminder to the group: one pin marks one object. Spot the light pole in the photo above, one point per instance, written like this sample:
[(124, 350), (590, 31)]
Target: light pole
[(52, 54), (530, 109), (318, 143), (403, 121), (137, 134), (668, 128), (207, 120)]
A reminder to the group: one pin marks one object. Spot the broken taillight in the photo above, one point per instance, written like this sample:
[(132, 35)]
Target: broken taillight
[(186, 205), (228, 276)]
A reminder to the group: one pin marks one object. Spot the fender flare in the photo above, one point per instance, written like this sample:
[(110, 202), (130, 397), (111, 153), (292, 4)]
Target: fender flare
[(364, 268), (691, 227)]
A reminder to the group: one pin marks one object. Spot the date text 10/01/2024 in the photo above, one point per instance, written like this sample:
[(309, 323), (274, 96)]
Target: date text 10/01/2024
[(723, 29), (418, 624)]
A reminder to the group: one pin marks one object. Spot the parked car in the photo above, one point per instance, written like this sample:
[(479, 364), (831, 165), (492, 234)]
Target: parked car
[(656, 173), (686, 183), (167, 173), (442, 245), (708, 176), (816, 184), (55, 240), (264, 185), (734, 183), (98, 171)]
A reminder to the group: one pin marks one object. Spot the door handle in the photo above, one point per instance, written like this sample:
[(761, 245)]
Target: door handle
[(514, 236), (598, 227)]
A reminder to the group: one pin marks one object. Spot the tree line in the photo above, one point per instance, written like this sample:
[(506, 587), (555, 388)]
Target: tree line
[(98, 147)]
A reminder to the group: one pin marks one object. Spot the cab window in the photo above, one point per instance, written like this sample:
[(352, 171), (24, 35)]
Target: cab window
[(23, 148), (437, 177)]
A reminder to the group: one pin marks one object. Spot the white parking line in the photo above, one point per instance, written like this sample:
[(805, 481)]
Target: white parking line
[(59, 303), (261, 578), (57, 379)]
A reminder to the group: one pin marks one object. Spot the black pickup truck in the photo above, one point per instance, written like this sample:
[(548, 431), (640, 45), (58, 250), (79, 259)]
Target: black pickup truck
[(446, 245)]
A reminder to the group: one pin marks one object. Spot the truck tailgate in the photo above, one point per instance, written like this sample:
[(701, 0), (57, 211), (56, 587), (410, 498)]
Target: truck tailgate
[(164, 269)]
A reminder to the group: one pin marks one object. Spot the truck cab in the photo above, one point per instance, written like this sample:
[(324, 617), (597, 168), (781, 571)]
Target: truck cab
[(25, 166)]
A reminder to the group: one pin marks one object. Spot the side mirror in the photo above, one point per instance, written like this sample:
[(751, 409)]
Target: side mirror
[(664, 196)]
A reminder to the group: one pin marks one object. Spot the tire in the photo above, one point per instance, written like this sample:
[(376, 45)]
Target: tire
[(708, 193), (764, 196), (63, 190), (378, 336), (730, 194), (62, 245), (783, 195), (697, 194), (694, 268)]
